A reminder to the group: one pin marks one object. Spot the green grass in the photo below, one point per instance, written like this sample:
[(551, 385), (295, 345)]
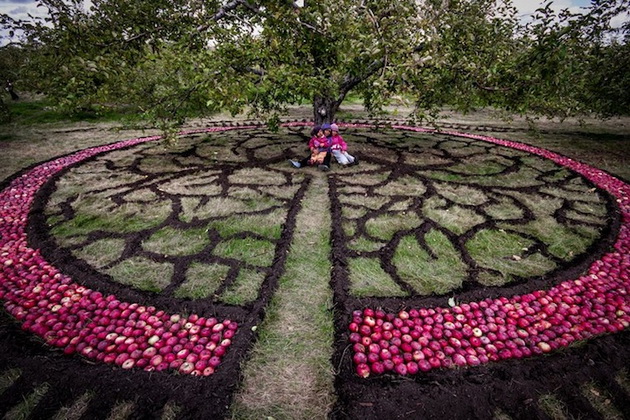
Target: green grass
[(170, 411), (76, 410), (31, 112), (563, 242), (178, 242), (125, 219), (504, 210), (373, 203), (202, 280), (142, 274), (363, 244), (601, 400), (442, 176), (368, 179), (121, 411), (462, 194), (5, 138), (367, 278), (8, 378), (257, 176), (485, 165), (595, 209), (288, 375), (541, 164), (553, 407), (500, 415), (266, 225), (623, 379), (100, 253), (244, 289), (406, 186), (251, 251), (353, 212), (224, 206), (504, 251), (384, 227), (425, 274), (455, 218)]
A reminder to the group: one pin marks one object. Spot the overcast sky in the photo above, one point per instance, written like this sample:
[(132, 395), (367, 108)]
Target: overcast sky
[(20, 9)]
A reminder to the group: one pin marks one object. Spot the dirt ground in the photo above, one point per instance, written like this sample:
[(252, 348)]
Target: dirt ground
[(509, 389)]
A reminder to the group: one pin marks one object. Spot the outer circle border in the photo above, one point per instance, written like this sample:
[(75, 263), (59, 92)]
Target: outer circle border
[(523, 325), (39, 296)]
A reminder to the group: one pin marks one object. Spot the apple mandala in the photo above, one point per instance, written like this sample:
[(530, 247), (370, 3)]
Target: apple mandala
[(449, 250)]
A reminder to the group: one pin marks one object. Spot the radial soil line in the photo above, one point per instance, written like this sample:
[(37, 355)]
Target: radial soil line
[(285, 377)]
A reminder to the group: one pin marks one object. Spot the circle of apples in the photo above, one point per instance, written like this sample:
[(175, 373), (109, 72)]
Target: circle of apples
[(83, 321), (420, 339), (79, 320)]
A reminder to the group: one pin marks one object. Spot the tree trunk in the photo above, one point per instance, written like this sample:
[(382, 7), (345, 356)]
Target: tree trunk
[(324, 109), (5, 115), (9, 88)]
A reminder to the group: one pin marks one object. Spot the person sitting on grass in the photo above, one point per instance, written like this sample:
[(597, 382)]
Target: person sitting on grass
[(320, 150), (339, 148)]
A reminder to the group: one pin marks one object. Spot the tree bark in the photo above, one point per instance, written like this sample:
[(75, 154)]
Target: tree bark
[(324, 109), (326, 106), (9, 88), (5, 115)]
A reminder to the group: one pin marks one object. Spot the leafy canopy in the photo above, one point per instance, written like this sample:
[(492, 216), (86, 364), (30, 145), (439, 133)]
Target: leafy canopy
[(183, 58)]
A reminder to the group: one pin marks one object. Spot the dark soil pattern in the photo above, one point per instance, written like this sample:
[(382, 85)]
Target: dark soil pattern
[(509, 388), (234, 199), (491, 191), (181, 195), (208, 397)]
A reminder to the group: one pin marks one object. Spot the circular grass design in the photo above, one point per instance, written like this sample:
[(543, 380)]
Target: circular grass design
[(504, 217), (479, 217), (29, 283), (173, 212), (540, 321), (575, 211), (583, 299)]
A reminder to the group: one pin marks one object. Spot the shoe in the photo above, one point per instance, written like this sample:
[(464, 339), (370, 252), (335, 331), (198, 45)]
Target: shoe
[(324, 168), (295, 164), (356, 161)]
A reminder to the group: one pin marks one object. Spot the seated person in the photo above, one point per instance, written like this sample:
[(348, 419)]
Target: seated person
[(319, 146)]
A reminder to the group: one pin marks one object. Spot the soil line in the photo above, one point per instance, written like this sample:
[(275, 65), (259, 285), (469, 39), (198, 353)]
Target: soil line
[(296, 383)]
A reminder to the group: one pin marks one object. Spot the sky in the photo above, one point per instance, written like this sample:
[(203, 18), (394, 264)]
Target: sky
[(20, 8), (527, 7)]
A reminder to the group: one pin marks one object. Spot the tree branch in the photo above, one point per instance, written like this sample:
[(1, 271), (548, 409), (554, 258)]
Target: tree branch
[(258, 72), (223, 12), (350, 82), (492, 89), (311, 27), (380, 35)]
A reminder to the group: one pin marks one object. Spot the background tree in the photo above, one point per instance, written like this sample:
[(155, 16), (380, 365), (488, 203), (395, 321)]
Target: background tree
[(176, 59)]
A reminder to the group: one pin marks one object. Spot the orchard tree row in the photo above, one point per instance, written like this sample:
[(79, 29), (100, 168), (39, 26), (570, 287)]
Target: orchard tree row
[(173, 59)]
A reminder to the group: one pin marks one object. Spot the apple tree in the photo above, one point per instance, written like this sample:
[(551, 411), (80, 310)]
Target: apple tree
[(183, 58)]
